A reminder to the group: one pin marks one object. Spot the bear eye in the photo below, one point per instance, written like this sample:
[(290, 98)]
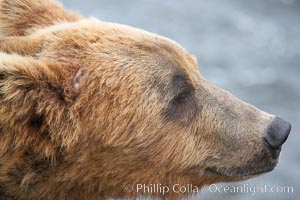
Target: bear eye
[(182, 97), (182, 108)]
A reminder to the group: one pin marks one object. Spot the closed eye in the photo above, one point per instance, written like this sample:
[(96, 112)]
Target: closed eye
[(182, 108), (182, 97)]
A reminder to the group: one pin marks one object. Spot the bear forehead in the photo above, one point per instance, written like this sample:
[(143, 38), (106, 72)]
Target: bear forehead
[(169, 67), (127, 40)]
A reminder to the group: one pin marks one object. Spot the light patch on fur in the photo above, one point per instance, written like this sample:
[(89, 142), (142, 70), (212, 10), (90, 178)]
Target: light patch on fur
[(79, 77), (66, 25), (55, 27), (26, 180)]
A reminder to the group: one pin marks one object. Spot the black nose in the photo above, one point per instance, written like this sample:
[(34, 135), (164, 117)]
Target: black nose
[(277, 133)]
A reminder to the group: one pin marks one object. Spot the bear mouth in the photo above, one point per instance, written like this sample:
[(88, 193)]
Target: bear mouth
[(260, 164), (237, 172)]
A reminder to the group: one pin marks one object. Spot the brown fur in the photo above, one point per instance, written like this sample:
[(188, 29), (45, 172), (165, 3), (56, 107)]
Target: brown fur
[(87, 107)]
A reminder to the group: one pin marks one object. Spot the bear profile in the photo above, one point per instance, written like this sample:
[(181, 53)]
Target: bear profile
[(94, 110)]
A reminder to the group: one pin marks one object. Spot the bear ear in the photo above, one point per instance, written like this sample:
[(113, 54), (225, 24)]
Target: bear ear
[(21, 17), (34, 107)]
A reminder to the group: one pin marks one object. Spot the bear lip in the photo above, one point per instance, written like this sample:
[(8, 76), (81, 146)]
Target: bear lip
[(225, 173)]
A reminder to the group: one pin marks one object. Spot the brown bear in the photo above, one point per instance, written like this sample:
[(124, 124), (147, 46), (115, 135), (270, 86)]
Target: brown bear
[(90, 110)]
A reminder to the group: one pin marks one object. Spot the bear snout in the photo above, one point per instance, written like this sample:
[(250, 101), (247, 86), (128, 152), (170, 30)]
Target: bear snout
[(277, 133)]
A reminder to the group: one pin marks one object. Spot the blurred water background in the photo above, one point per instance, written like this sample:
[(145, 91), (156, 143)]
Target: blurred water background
[(249, 47)]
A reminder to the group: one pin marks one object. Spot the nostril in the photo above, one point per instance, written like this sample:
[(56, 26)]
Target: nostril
[(277, 133)]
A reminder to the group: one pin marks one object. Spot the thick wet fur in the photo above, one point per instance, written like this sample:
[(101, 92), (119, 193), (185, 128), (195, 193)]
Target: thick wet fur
[(87, 107)]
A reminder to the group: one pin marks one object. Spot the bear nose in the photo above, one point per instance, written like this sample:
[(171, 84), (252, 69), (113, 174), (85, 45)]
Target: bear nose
[(277, 133)]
